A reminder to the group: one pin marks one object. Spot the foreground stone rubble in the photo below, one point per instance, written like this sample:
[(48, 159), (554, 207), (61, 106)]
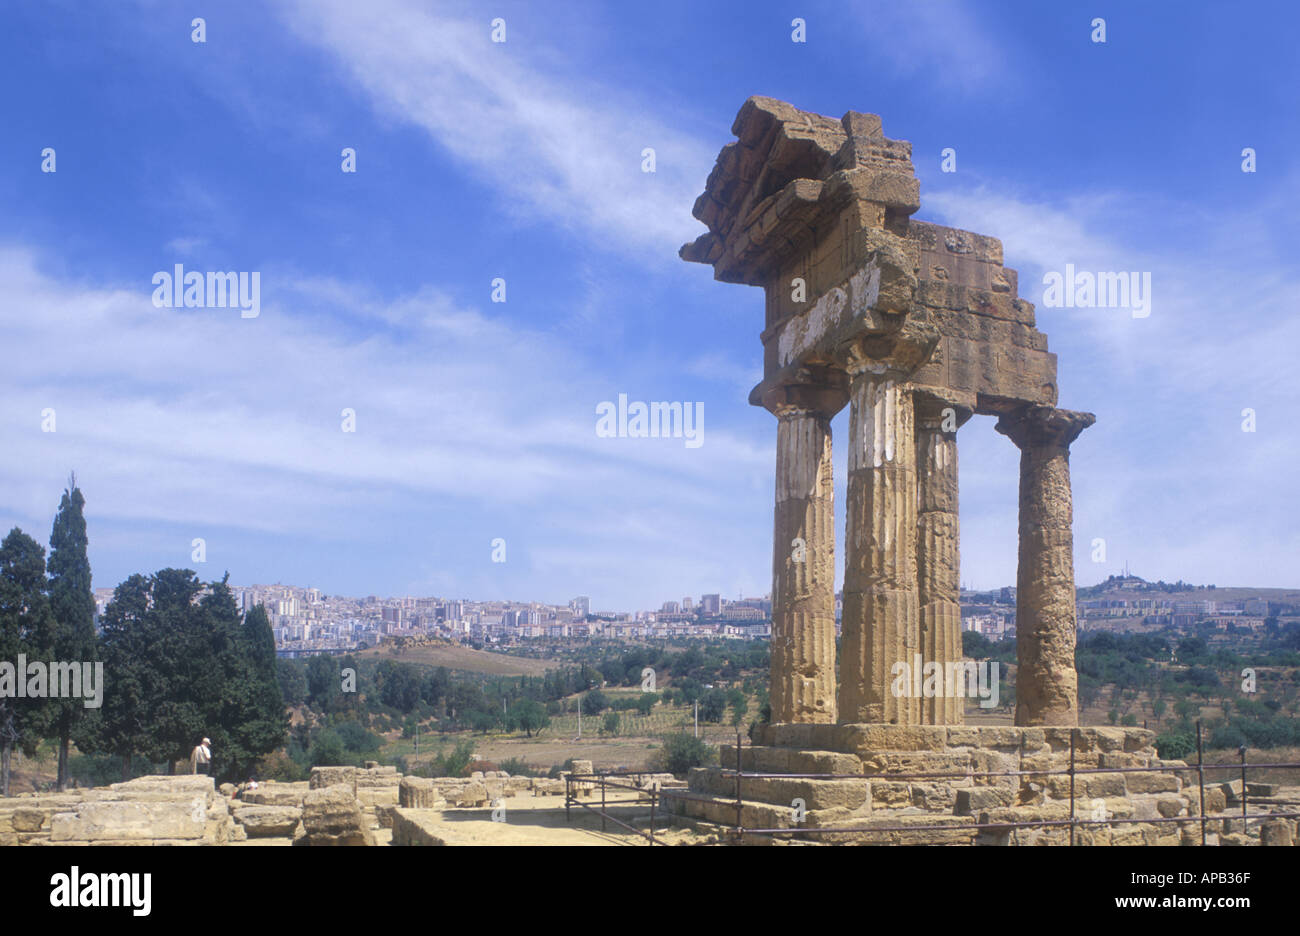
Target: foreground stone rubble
[(337, 806)]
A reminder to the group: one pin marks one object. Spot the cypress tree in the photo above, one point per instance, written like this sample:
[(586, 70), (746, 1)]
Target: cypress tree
[(73, 604)]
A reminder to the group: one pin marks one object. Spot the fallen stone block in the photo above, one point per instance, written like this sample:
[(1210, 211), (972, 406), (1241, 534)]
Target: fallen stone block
[(131, 821), (268, 821), (332, 816), (322, 777), (420, 793)]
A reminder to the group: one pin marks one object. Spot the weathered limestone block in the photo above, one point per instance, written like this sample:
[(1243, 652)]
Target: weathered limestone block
[(276, 794), (1151, 782), (1276, 832), (938, 796), (417, 827), (372, 797), (332, 816), (1254, 789), (972, 800), (788, 760), (156, 788), (993, 762), (544, 786), (268, 821), (1086, 785), (420, 793), (1215, 800), (891, 793), (322, 777), (132, 821), (913, 762), (863, 740), (1232, 791), (1170, 806), (473, 793), (27, 819)]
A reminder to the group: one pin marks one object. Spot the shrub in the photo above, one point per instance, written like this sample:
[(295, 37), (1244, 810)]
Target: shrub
[(517, 767), (1175, 745), (681, 752), (594, 702)]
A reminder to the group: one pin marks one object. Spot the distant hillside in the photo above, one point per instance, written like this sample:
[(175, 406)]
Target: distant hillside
[(455, 657), (1132, 585)]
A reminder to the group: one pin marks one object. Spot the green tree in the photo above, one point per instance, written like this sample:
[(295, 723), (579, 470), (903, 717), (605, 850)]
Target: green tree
[(293, 681), (324, 682), (530, 716), (680, 752), (713, 705), (611, 723), (73, 604), (27, 627), (129, 646), (183, 668), (594, 702), (327, 750), (739, 705), (252, 715)]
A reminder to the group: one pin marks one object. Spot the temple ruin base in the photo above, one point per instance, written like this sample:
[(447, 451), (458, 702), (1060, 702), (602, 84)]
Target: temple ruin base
[(869, 809)]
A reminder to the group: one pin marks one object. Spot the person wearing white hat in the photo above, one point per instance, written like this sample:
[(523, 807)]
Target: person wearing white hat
[(201, 757)]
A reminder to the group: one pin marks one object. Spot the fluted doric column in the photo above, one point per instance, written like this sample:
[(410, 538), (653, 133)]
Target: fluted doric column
[(880, 621), (803, 555), (938, 551), (1046, 681)]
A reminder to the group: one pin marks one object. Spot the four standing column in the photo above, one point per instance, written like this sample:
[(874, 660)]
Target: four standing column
[(880, 623), (938, 551), (803, 556), (902, 565), (1046, 681)]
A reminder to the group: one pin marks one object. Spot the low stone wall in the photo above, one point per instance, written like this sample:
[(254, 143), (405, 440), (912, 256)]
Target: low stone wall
[(416, 827), (171, 810)]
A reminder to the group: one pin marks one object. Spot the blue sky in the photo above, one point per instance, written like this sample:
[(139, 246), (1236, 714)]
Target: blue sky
[(476, 420)]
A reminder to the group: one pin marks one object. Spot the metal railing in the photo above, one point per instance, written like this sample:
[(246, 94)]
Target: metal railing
[(604, 780)]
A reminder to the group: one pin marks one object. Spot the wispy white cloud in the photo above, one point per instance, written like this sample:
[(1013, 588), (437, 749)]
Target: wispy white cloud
[(199, 418), (948, 43), (564, 152)]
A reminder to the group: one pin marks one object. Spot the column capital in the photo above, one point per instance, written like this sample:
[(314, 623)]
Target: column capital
[(1040, 425), (894, 353), (821, 391)]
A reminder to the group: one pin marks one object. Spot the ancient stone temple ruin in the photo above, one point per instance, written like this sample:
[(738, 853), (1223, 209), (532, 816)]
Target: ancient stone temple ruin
[(916, 328)]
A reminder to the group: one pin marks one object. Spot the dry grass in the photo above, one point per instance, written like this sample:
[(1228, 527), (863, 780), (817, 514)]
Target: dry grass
[(455, 657)]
